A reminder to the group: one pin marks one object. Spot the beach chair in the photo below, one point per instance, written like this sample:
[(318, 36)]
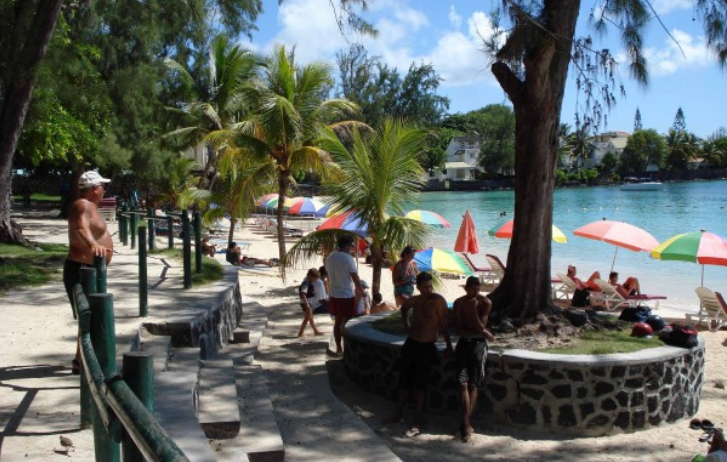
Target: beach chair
[(497, 268), (612, 300), (483, 272), (712, 309), (564, 287)]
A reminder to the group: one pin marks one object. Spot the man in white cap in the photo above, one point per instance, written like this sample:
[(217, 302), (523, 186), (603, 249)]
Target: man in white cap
[(88, 236)]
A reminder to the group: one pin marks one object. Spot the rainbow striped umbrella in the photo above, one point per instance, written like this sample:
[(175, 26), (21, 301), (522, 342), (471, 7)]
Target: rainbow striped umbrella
[(432, 219), (347, 221), (273, 203), (443, 261), (306, 206), (265, 198), (702, 247), (504, 230)]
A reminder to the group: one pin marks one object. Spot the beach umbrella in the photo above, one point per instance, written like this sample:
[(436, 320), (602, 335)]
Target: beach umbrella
[(619, 234), (504, 230), (432, 219), (347, 221), (701, 247), (467, 237), (306, 206), (443, 261), (273, 203), (265, 198)]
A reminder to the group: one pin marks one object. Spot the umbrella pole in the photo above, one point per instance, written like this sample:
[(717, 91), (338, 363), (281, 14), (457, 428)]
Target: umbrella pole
[(702, 276), (614, 259)]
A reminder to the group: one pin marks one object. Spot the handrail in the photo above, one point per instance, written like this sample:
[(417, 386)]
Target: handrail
[(116, 404)]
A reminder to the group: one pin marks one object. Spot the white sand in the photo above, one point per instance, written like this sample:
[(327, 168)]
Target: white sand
[(674, 442)]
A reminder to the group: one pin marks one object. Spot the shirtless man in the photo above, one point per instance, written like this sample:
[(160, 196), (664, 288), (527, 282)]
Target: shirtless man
[(470, 323), (380, 304), (419, 353), (87, 237)]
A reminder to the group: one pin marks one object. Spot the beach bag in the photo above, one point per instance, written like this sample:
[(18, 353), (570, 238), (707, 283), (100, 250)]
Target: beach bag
[(581, 297), (635, 314), (679, 336)]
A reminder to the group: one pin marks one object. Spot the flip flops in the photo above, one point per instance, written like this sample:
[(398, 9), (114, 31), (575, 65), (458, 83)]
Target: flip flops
[(701, 424)]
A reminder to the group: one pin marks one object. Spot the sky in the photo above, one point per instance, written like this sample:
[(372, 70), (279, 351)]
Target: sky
[(447, 35)]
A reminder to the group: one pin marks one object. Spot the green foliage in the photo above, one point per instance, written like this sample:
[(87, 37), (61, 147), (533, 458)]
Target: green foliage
[(381, 92), (609, 163), (497, 148), (644, 148), (682, 147), (714, 149), (378, 175), (606, 342), (28, 266)]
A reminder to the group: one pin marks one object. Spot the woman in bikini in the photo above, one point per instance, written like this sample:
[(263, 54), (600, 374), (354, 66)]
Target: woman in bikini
[(404, 276)]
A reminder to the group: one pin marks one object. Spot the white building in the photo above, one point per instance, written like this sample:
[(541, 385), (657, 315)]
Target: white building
[(462, 159), (613, 142)]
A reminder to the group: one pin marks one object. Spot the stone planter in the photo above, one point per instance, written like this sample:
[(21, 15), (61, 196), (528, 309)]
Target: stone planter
[(573, 394)]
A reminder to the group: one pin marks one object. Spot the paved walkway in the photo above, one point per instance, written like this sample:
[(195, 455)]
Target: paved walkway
[(39, 398)]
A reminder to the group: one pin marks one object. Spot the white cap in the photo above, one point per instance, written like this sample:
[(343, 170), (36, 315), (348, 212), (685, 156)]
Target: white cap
[(90, 179)]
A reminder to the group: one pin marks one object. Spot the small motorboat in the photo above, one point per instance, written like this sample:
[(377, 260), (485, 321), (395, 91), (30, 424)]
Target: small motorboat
[(640, 184)]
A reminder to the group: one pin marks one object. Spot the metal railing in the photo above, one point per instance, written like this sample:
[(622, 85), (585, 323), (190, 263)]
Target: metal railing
[(119, 408)]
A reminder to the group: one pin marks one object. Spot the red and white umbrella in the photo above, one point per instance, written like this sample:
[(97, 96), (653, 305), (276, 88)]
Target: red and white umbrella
[(619, 234)]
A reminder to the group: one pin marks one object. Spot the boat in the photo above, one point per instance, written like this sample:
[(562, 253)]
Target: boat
[(640, 184)]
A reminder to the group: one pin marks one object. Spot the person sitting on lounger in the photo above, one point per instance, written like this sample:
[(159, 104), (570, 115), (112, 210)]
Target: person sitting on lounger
[(589, 284), (629, 288), (208, 248), (233, 254)]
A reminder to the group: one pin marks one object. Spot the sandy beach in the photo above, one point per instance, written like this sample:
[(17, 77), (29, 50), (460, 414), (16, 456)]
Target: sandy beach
[(675, 442)]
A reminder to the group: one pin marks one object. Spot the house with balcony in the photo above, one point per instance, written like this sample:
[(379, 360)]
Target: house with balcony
[(462, 159)]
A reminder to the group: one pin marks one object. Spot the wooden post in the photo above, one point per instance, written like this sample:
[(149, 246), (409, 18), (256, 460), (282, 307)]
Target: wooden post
[(134, 224), (143, 280), (186, 250), (152, 228), (139, 376), (103, 338), (88, 282), (197, 242), (100, 264), (170, 229)]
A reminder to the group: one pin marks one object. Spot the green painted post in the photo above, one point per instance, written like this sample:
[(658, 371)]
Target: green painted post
[(100, 264), (139, 376), (143, 280), (152, 228), (197, 242), (170, 230), (186, 250), (103, 338), (124, 232), (88, 282), (133, 216)]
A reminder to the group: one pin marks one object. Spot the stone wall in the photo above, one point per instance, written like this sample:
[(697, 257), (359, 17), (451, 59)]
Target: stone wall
[(574, 394)]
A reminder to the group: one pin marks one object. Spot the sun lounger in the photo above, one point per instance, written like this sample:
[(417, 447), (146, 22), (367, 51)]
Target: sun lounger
[(563, 287), (483, 272), (712, 310), (612, 300), (498, 268)]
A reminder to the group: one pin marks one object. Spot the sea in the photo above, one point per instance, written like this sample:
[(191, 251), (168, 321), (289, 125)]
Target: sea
[(676, 209)]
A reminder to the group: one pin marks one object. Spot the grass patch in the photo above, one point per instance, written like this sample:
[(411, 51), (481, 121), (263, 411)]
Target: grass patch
[(606, 342), (38, 197), (27, 266), (391, 324), (212, 270)]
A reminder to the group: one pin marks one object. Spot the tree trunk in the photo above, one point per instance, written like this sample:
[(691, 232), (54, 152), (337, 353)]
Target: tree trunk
[(282, 191), (377, 256), (525, 290), (32, 29), (231, 234)]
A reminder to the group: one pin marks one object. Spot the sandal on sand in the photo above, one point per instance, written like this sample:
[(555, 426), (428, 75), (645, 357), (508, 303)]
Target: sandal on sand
[(75, 367), (707, 425), (695, 424)]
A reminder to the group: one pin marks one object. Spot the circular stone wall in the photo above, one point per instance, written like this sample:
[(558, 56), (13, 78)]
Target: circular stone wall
[(575, 394)]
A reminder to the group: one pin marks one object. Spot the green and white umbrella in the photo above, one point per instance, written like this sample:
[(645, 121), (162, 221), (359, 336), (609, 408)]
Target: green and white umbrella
[(702, 247)]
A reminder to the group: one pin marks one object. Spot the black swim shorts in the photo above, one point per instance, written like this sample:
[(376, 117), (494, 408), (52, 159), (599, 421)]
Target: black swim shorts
[(71, 277), (470, 358), (417, 359)]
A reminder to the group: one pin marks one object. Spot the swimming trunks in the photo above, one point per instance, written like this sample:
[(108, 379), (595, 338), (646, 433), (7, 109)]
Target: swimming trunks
[(470, 358), (343, 307), (405, 289), (71, 277), (417, 359)]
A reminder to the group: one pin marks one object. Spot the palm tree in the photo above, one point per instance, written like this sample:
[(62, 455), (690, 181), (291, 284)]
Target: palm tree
[(177, 180), (581, 145), (288, 109), (216, 101), (379, 174), (682, 148)]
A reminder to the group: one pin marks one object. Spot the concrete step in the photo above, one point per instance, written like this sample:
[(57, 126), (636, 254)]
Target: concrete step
[(160, 347), (184, 360), (216, 393), (175, 411), (259, 436)]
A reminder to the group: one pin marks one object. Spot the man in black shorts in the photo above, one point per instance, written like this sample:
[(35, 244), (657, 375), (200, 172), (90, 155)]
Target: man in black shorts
[(470, 323), (419, 353)]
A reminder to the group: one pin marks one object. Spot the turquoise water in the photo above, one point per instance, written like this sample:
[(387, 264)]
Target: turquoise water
[(678, 208)]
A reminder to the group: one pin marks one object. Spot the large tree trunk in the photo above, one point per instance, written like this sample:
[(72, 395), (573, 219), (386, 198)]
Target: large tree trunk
[(32, 29), (525, 290)]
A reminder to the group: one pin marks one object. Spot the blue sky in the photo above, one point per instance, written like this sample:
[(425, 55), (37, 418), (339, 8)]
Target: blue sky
[(446, 34)]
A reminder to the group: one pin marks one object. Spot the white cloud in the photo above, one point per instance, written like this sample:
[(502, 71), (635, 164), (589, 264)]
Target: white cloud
[(454, 19), (688, 52)]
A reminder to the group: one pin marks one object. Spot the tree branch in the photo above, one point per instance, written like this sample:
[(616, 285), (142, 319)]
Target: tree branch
[(508, 81)]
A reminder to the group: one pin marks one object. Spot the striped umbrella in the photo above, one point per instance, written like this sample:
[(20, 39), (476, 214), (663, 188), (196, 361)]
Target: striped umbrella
[(432, 219), (702, 247), (443, 261), (306, 206), (265, 198), (347, 221), (504, 230)]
